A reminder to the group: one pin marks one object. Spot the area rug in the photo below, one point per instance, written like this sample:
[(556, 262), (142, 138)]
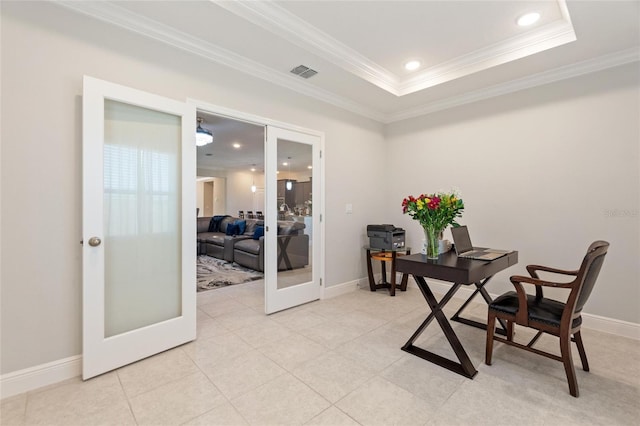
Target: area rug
[(215, 273)]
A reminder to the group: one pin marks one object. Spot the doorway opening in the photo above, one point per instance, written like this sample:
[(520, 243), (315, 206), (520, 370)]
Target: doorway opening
[(269, 182), (230, 200)]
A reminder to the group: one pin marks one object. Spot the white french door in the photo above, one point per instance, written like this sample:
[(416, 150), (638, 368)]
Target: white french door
[(293, 201), (139, 295)]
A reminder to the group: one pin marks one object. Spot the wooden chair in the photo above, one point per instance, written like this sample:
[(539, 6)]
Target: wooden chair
[(548, 315)]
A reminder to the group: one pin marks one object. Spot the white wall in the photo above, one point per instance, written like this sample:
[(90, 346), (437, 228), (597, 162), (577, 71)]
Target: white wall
[(45, 52), (219, 191), (544, 171), (239, 195), (219, 195), (539, 170)]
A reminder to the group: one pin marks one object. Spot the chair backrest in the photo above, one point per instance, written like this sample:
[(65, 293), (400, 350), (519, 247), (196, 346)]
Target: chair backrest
[(588, 273)]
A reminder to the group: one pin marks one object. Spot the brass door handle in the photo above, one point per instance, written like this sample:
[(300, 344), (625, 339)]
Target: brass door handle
[(94, 241)]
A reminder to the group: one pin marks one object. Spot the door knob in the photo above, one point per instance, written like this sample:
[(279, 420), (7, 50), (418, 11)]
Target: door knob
[(94, 241)]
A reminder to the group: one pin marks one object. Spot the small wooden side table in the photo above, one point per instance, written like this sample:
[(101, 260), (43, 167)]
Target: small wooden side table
[(384, 256)]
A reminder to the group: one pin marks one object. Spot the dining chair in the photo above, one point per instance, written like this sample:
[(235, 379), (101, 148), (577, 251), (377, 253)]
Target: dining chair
[(561, 319)]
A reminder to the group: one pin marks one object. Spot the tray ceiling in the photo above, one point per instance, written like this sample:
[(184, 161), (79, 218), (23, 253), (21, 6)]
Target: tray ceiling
[(469, 50)]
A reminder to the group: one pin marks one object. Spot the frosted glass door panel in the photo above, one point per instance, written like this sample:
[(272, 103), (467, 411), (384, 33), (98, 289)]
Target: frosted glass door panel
[(142, 220)]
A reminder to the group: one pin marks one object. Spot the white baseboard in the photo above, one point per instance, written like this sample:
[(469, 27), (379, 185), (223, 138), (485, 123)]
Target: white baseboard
[(340, 289), (21, 381), (46, 374), (612, 326)]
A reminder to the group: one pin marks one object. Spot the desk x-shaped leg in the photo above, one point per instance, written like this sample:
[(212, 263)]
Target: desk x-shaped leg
[(485, 295), (464, 366), (283, 256)]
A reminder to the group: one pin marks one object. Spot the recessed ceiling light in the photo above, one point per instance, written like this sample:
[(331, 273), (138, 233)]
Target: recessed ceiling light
[(285, 164), (309, 167), (253, 169), (412, 65), (236, 145), (528, 19)]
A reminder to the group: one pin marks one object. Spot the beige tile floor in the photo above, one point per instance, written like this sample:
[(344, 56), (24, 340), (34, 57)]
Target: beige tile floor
[(338, 362)]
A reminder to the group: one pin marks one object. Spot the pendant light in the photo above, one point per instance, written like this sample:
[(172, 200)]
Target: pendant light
[(203, 136), (253, 180), (289, 184)]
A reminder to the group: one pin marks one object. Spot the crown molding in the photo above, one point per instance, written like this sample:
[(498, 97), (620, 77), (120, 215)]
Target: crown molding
[(277, 20), (283, 23), (116, 15), (562, 73), (552, 35), (119, 16)]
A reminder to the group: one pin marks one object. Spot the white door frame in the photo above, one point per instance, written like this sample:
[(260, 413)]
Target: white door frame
[(263, 121)]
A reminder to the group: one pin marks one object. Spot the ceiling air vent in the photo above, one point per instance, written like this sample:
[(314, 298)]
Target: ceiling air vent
[(304, 71)]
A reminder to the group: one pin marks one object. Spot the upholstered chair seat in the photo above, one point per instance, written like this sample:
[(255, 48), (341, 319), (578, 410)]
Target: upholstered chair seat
[(547, 311)]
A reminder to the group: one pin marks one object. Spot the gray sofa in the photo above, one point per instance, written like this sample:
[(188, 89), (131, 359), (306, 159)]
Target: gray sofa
[(293, 248), (218, 244), (245, 250)]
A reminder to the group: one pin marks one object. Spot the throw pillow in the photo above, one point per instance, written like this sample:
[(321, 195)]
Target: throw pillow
[(242, 226), (232, 229), (214, 223), (259, 232)]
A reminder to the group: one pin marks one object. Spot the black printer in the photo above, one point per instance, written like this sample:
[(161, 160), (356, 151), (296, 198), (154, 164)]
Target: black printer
[(385, 236)]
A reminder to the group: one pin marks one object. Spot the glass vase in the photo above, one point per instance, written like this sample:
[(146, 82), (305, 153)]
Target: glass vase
[(431, 242)]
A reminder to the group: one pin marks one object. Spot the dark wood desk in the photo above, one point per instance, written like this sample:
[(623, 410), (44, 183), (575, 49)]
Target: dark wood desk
[(458, 271)]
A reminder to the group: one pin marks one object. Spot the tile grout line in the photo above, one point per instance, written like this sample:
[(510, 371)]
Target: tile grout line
[(133, 414)]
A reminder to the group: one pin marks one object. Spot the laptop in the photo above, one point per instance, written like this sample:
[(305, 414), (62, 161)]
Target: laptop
[(465, 249)]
